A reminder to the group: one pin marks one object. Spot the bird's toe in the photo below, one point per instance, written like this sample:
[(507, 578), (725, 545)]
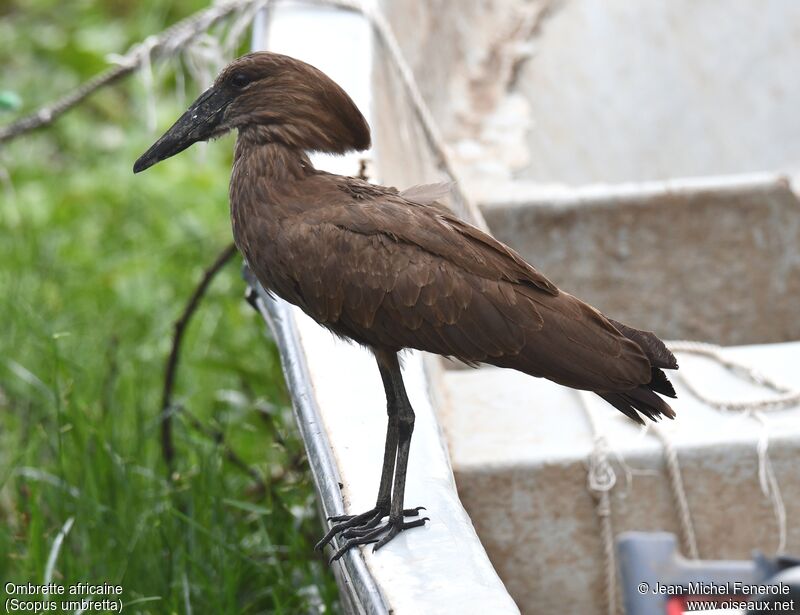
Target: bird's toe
[(375, 532), (346, 522), (397, 526), (367, 528)]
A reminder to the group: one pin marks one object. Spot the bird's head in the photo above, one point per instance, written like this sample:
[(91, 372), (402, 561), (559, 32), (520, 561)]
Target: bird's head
[(268, 97)]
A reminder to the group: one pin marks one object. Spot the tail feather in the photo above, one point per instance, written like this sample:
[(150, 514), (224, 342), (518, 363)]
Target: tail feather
[(641, 400), (661, 384), (653, 348), (621, 404)]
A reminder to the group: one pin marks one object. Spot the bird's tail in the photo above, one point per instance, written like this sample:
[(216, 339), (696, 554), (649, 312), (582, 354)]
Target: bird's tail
[(644, 399), (637, 402)]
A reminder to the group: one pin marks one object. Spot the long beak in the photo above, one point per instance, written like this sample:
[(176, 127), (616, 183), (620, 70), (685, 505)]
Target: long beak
[(200, 122)]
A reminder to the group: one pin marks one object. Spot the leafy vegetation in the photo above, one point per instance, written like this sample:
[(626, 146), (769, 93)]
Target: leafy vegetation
[(95, 266)]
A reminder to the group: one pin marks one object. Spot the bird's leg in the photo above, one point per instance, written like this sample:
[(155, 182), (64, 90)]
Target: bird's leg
[(398, 442), (387, 472), (353, 525), (372, 517), (405, 429)]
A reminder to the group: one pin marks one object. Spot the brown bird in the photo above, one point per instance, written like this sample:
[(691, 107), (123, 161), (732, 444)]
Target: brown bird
[(393, 270)]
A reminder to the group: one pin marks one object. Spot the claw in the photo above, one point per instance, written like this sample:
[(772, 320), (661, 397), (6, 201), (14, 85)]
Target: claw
[(339, 518), (352, 521), (352, 526), (345, 548), (396, 528)]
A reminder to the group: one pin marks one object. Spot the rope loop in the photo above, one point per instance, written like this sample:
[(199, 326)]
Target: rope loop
[(601, 477)]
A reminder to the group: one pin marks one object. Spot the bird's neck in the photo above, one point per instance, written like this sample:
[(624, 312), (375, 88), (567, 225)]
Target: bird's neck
[(262, 157), (266, 179)]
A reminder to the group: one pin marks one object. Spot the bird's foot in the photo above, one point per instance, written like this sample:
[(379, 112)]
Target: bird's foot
[(363, 522), (380, 535)]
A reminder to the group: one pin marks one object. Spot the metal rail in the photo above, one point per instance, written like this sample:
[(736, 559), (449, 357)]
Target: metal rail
[(360, 593), (358, 590)]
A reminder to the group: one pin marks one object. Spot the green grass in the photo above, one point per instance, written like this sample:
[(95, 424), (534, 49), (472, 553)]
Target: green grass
[(95, 266)]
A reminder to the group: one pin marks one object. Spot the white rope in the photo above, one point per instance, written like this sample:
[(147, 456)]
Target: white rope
[(687, 532), (204, 57), (240, 24), (600, 480), (769, 482), (431, 130), (785, 398)]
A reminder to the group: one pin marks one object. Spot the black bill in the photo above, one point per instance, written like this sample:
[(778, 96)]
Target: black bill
[(200, 122)]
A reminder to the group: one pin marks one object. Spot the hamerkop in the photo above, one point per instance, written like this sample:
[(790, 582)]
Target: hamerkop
[(392, 270)]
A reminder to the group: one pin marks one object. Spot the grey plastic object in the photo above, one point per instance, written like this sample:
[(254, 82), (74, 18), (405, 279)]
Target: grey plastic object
[(647, 560)]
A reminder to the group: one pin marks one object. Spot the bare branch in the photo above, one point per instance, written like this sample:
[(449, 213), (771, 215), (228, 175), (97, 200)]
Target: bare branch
[(167, 408)]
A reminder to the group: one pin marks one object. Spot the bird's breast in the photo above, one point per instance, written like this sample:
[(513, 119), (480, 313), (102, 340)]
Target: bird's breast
[(256, 227)]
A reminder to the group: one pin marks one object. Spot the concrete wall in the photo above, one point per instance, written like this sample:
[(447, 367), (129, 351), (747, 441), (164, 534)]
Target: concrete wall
[(583, 91), (633, 91)]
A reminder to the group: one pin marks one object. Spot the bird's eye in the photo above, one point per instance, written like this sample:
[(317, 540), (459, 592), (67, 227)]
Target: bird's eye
[(239, 80)]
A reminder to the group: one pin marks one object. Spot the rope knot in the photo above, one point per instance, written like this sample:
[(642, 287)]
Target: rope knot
[(601, 476)]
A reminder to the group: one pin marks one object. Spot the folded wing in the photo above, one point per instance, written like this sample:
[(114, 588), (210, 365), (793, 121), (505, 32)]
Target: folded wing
[(391, 273)]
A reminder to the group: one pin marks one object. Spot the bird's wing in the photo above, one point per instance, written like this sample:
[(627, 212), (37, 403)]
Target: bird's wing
[(386, 273), (436, 231)]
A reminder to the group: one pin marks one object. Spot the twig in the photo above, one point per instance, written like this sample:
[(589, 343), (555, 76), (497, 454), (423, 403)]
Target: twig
[(167, 445), (47, 114), (165, 44)]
